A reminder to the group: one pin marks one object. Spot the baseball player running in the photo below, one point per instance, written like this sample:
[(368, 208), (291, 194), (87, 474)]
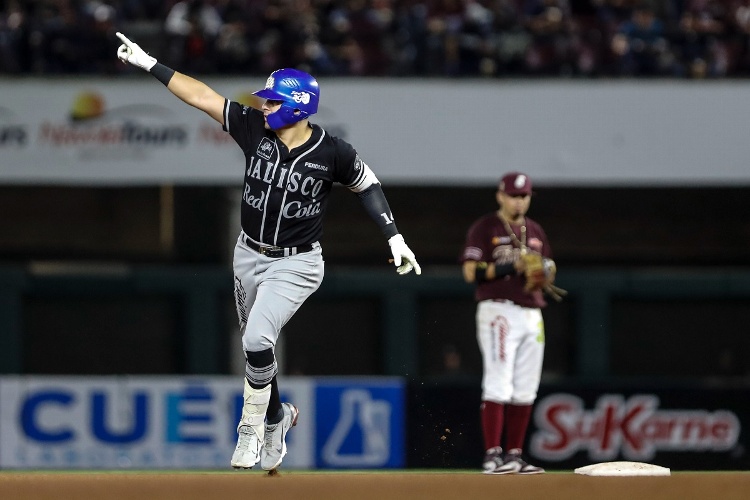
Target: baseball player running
[(290, 167), (510, 330)]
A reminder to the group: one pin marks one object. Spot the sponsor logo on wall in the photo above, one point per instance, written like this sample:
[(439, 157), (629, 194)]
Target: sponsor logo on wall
[(360, 425), (186, 422), (635, 428)]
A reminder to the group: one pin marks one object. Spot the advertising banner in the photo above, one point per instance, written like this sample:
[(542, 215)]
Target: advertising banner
[(96, 131), (190, 422), (682, 427), (360, 426)]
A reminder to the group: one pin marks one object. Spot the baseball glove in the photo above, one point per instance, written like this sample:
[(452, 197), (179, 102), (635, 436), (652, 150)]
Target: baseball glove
[(540, 274)]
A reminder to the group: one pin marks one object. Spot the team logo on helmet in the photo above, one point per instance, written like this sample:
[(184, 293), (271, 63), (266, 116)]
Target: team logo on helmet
[(520, 181), (302, 97), (270, 82)]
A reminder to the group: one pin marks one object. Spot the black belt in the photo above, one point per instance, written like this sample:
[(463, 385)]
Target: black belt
[(276, 252)]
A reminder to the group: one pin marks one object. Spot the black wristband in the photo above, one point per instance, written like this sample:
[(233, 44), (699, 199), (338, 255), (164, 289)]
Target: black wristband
[(480, 272), (162, 73), (504, 270)]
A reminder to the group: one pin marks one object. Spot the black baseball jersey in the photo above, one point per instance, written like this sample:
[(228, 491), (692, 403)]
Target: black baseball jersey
[(286, 192)]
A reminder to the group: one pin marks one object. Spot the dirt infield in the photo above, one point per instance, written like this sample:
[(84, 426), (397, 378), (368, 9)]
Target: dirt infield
[(368, 485)]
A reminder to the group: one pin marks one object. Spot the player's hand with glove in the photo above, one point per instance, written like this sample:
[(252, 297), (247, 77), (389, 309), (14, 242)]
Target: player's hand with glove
[(131, 52), (536, 271), (403, 257), (540, 273)]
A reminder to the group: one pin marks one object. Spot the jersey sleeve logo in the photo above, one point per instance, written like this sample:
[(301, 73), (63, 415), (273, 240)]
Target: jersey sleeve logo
[(473, 253), (265, 148), (359, 164)]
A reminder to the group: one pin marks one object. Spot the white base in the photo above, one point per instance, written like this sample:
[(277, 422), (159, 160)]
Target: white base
[(622, 469)]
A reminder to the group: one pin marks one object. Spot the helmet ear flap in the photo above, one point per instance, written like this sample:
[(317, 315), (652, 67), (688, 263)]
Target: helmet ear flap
[(285, 115)]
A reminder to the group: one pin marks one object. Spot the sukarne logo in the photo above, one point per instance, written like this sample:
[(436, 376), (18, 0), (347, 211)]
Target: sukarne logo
[(633, 427)]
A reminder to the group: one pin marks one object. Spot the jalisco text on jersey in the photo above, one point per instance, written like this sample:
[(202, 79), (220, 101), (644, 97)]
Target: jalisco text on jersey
[(124, 133), (309, 186), (263, 170)]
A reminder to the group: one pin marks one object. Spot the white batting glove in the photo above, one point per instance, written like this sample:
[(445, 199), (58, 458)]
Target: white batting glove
[(131, 52), (403, 257)]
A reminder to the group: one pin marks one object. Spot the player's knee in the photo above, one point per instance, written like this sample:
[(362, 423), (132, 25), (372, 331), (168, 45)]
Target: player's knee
[(260, 367), (255, 341), (500, 397)]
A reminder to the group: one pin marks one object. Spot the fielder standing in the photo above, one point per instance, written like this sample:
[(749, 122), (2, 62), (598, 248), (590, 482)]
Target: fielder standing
[(290, 168), (509, 324)]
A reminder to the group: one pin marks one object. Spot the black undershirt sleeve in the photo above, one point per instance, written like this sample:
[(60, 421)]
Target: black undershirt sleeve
[(373, 199)]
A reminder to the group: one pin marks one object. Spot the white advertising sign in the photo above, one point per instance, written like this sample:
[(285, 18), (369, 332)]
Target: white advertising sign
[(425, 132), (135, 422)]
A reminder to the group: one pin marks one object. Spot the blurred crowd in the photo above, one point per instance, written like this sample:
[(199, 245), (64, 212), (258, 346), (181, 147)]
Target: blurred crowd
[(493, 38)]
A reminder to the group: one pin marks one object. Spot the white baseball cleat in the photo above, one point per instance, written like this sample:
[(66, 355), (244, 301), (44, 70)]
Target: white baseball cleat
[(247, 452), (514, 464), (493, 459), (274, 446)]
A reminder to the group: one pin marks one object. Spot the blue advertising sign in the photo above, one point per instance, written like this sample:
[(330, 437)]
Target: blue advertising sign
[(191, 422), (134, 422), (360, 423)]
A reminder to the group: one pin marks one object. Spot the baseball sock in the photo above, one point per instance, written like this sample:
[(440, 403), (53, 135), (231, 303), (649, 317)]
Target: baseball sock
[(517, 420), (274, 413), (260, 372), (492, 423), (260, 368)]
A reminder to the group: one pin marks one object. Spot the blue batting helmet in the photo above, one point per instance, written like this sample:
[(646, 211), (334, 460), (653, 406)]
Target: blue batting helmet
[(298, 92)]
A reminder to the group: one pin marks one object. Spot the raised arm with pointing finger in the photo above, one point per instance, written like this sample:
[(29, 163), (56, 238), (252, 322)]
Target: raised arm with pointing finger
[(190, 90)]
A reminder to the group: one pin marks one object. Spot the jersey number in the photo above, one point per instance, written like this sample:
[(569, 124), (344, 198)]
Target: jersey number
[(388, 220)]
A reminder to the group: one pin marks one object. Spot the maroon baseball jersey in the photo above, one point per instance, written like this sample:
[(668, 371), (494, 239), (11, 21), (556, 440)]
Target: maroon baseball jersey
[(488, 241)]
